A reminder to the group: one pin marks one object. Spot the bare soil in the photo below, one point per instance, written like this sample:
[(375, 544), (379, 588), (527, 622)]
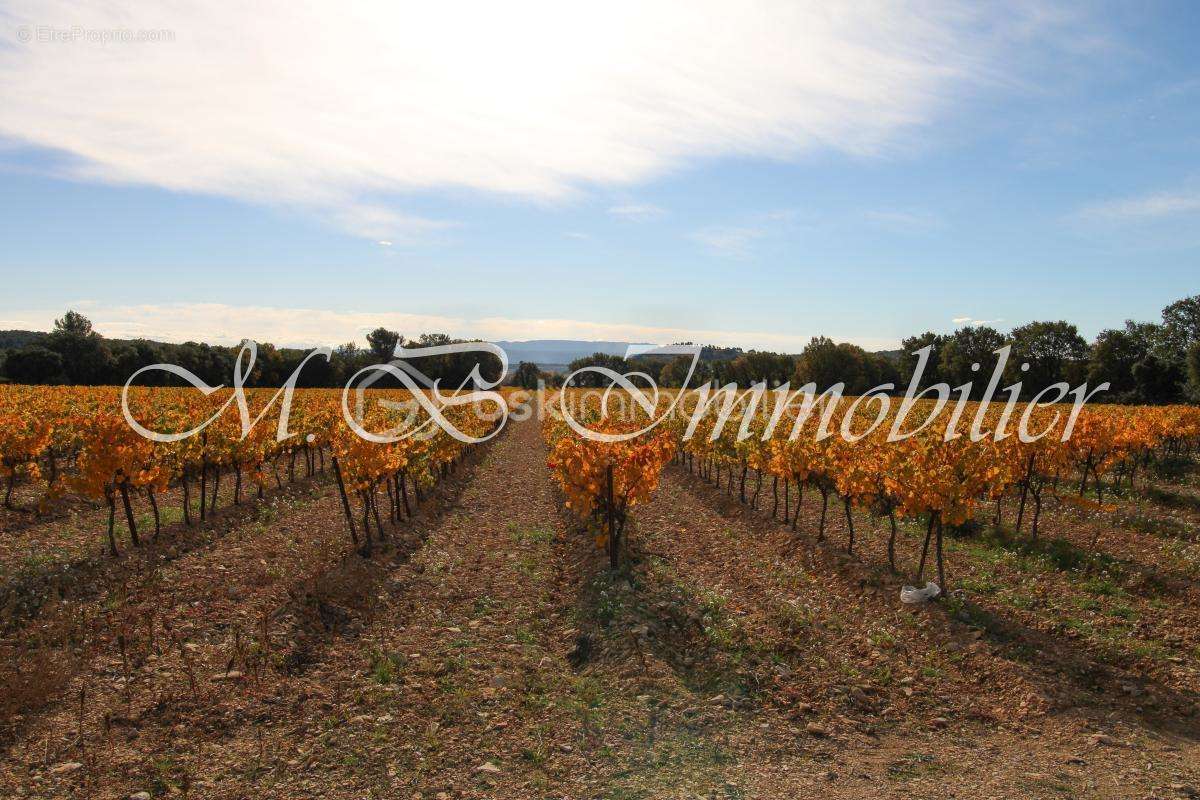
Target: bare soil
[(487, 652)]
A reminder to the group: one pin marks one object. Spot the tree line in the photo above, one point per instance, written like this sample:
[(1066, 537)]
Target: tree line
[(1143, 362), (74, 353)]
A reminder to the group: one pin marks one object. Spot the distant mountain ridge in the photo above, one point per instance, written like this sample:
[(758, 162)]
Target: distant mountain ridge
[(15, 340), (555, 353), (552, 355)]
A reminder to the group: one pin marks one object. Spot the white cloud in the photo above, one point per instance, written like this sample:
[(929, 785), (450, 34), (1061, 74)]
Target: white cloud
[(971, 321), (376, 222), (218, 323), (347, 108), (905, 221), (22, 323), (735, 240), (1157, 205), (636, 212), (728, 240)]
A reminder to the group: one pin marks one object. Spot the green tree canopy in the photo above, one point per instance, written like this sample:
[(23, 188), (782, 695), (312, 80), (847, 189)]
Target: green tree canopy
[(1180, 329), (908, 357), (34, 365), (383, 343), (85, 357), (592, 379), (526, 375), (965, 348), (1054, 351)]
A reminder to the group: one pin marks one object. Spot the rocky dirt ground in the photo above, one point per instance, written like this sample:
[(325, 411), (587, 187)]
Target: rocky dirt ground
[(487, 653)]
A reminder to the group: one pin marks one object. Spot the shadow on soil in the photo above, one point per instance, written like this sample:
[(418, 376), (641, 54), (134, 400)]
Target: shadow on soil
[(1097, 678)]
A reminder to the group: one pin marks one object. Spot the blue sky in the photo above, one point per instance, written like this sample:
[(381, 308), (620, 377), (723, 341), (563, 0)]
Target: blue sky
[(750, 175)]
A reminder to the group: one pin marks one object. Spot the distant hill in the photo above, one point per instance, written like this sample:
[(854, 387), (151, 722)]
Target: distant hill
[(553, 355), (15, 340)]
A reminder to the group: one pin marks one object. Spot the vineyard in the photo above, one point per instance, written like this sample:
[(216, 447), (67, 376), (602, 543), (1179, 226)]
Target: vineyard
[(689, 604), (942, 475), (76, 441)]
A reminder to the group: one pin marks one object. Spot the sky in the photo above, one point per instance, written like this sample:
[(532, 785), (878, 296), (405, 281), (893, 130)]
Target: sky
[(740, 173)]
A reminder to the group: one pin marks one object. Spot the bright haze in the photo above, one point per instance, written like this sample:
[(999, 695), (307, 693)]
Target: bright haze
[(742, 173)]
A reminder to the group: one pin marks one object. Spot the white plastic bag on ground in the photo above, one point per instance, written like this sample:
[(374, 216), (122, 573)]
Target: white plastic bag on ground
[(911, 594)]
